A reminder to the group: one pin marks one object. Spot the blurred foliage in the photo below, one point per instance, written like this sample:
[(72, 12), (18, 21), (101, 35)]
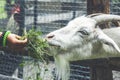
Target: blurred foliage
[(2, 10)]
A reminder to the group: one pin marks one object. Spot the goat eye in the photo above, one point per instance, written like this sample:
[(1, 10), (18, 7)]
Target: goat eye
[(84, 32)]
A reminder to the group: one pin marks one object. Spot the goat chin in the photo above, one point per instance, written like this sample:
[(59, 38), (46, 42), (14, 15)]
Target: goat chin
[(62, 60), (62, 63), (63, 69)]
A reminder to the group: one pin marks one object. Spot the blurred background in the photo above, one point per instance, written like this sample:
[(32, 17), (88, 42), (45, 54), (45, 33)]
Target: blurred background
[(46, 15)]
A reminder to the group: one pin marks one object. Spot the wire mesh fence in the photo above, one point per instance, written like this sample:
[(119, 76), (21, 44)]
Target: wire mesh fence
[(52, 15), (46, 16)]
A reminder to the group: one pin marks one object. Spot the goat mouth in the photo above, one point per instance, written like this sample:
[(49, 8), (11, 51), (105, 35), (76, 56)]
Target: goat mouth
[(54, 45)]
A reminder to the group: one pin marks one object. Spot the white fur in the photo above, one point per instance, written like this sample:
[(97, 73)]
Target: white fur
[(75, 44)]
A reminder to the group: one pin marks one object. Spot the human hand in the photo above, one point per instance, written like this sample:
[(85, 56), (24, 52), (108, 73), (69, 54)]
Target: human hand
[(15, 43)]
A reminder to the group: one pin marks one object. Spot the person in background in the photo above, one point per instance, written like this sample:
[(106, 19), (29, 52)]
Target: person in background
[(12, 41)]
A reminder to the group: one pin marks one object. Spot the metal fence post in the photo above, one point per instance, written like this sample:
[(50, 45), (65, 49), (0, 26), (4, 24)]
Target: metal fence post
[(35, 13), (8, 8), (22, 17), (74, 10)]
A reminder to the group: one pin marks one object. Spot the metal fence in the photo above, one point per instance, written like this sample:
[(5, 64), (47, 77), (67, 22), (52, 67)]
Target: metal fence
[(46, 16), (53, 14)]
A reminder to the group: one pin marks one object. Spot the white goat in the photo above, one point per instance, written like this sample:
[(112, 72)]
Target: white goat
[(82, 39)]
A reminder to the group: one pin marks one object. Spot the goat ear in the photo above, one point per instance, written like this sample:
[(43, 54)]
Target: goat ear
[(106, 39)]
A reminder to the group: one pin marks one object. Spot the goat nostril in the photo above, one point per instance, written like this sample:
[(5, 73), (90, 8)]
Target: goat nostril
[(50, 36)]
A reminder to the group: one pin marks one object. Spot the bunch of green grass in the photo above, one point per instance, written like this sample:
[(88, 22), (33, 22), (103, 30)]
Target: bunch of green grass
[(37, 47)]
